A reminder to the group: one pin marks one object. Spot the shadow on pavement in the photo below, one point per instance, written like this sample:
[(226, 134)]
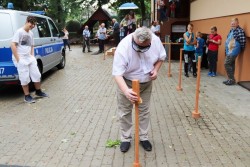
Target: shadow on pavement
[(13, 91)]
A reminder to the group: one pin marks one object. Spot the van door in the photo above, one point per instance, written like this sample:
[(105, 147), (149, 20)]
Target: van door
[(58, 43), (43, 43)]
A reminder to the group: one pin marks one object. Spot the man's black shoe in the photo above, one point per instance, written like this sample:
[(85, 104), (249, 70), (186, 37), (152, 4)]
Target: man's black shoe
[(83, 51), (89, 51), (195, 75), (124, 147), (225, 81), (186, 74), (146, 145), (230, 82)]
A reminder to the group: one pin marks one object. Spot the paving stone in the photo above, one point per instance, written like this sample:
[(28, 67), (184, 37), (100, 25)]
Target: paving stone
[(72, 126)]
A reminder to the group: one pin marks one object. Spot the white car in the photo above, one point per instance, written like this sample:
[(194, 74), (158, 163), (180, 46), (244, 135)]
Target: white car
[(48, 46)]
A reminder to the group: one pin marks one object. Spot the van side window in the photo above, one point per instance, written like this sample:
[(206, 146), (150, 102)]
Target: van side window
[(43, 27), (54, 30), (6, 26)]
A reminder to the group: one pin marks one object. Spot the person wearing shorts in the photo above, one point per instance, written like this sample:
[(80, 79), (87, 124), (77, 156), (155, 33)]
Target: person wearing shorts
[(22, 47), (199, 46)]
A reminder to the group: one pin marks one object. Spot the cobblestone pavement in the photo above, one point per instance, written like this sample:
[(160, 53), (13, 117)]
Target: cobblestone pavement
[(71, 127)]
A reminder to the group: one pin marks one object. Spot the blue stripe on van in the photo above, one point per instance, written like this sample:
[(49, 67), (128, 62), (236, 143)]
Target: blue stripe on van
[(5, 54), (7, 67), (48, 49)]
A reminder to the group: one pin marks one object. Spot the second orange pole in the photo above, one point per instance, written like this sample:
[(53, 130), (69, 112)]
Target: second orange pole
[(180, 72), (195, 113), (169, 60), (136, 88)]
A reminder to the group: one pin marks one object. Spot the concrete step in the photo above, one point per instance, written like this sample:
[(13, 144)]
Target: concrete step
[(110, 52), (113, 50)]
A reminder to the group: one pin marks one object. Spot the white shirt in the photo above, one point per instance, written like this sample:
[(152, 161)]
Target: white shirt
[(134, 65), (66, 35), (130, 22), (153, 29), (158, 28), (102, 33), (24, 41), (86, 33)]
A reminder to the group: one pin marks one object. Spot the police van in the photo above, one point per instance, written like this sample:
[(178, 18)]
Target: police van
[(48, 46)]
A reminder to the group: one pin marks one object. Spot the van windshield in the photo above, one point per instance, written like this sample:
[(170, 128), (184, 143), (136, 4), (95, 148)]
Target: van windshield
[(6, 28)]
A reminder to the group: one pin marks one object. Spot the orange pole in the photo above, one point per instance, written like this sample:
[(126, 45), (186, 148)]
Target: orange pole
[(136, 88), (104, 54), (169, 60), (195, 113), (180, 72)]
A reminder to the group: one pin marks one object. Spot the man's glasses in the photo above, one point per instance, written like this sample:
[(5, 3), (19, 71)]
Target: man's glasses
[(139, 48)]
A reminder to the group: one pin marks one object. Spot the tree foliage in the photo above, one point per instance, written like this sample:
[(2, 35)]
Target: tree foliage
[(143, 11), (73, 26), (62, 11)]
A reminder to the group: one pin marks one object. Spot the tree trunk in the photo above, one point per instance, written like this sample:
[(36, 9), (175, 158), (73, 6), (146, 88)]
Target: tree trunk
[(143, 10)]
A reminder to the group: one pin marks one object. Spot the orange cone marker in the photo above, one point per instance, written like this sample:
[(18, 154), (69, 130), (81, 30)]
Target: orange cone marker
[(195, 113), (180, 72), (169, 60), (136, 88)]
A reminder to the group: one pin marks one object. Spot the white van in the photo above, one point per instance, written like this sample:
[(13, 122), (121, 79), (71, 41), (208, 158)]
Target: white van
[(48, 46)]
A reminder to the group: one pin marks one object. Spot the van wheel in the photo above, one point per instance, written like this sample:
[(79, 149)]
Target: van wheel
[(61, 65)]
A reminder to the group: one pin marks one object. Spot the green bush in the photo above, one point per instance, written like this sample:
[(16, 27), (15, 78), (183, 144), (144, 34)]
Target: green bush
[(73, 26)]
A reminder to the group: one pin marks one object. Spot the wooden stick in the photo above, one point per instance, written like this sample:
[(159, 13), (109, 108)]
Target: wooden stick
[(195, 113), (136, 88), (180, 72), (169, 60)]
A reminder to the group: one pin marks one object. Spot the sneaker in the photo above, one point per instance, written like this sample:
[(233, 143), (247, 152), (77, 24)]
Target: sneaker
[(213, 74), (209, 74), (224, 82), (146, 145), (230, 82), (186, 74), (29, 99), (41, 94), (124, 147)]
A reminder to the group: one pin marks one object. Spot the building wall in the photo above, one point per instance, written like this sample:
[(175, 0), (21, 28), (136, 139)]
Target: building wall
[(204, 9), (221, 19)]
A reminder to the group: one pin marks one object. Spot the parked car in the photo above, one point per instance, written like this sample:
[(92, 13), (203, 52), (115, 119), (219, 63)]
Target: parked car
[(48, 46)]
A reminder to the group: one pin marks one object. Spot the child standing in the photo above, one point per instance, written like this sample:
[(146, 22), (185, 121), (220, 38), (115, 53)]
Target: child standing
[(189, 50), (213, 41), (22, 47), (199, 46)]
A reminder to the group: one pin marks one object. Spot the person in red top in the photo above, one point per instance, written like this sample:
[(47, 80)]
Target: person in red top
[(213, 41)]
